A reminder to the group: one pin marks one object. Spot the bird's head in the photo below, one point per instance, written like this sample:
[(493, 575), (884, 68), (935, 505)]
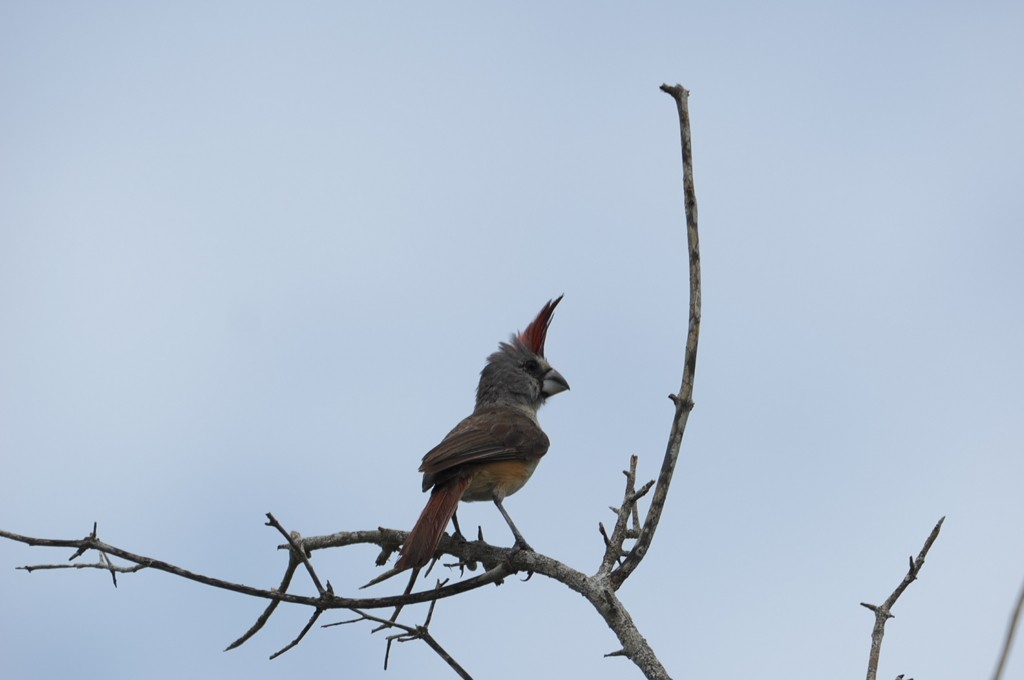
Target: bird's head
[(518, 374)]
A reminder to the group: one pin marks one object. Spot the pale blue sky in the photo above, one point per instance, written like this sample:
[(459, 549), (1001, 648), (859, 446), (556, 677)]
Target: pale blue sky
[(253, 255)]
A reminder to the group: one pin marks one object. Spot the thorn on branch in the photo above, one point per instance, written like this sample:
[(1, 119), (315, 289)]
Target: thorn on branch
[(110, 567), (685, 404), (87, 543), (878, 610)]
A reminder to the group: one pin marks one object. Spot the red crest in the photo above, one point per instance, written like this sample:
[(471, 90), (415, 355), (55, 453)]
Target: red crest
[(535, 334)]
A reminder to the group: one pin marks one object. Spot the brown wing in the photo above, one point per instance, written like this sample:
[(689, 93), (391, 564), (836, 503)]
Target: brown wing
[(487, 436)]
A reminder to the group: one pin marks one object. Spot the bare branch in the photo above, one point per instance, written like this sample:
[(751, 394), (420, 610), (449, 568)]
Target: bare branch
[(294, 542), (1010, 632), (684, 400), (506, 562), (883, 612), (624, 514), (613, 552), (105, 565), (302, 633), (416, 633), (286, 580), (420, 632)]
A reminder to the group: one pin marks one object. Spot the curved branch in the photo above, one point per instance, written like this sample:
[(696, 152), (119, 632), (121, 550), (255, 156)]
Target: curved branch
[(683, 400), (599, 590), (286, 580)]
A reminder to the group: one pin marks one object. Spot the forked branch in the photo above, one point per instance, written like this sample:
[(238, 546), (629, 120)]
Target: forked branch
[(684, 399), (883, 612)]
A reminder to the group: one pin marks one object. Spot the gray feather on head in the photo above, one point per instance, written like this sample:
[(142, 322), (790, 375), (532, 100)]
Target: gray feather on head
[(517, 374)]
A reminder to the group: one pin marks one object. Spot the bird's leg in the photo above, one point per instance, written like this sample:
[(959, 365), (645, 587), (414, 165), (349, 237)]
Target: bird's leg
[(462, 564), (520, 541), (458, 532)]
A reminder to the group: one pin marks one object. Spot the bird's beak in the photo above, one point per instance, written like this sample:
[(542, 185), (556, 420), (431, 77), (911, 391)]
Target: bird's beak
[(553, 383)]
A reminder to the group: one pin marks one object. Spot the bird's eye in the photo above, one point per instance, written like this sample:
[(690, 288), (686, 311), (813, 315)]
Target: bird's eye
[(531, 365)]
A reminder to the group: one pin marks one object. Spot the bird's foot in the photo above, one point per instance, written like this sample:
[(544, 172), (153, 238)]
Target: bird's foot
[(521, 545), (462, 563)]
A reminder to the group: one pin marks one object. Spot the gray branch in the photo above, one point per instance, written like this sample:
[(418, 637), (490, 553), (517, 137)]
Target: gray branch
[(684, 399), (1010, 631), (883, 612)]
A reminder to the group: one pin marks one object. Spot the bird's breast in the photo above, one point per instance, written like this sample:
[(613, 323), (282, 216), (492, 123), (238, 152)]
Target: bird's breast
[(499, 478)]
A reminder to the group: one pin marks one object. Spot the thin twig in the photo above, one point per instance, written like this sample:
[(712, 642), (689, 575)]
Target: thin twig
[(412, 633), (883, 612), (83, 545), (108, 566), (286, 580), (1010, 632), (398, 610), (302, 633), (413, 575), (86, 543), (298, 551), (613, 545)]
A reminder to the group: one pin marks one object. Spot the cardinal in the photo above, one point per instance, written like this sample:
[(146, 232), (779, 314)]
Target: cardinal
[(492, 453)]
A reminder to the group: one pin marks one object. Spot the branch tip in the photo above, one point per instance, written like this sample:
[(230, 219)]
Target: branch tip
[(883, 612)]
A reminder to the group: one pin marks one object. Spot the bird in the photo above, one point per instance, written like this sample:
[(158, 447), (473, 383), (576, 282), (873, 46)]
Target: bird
[(493, 452)]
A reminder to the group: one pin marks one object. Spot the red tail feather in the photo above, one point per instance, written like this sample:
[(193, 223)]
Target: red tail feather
[(419, 547)]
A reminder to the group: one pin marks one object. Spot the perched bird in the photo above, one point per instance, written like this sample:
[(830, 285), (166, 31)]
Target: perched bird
[(492, 453)]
